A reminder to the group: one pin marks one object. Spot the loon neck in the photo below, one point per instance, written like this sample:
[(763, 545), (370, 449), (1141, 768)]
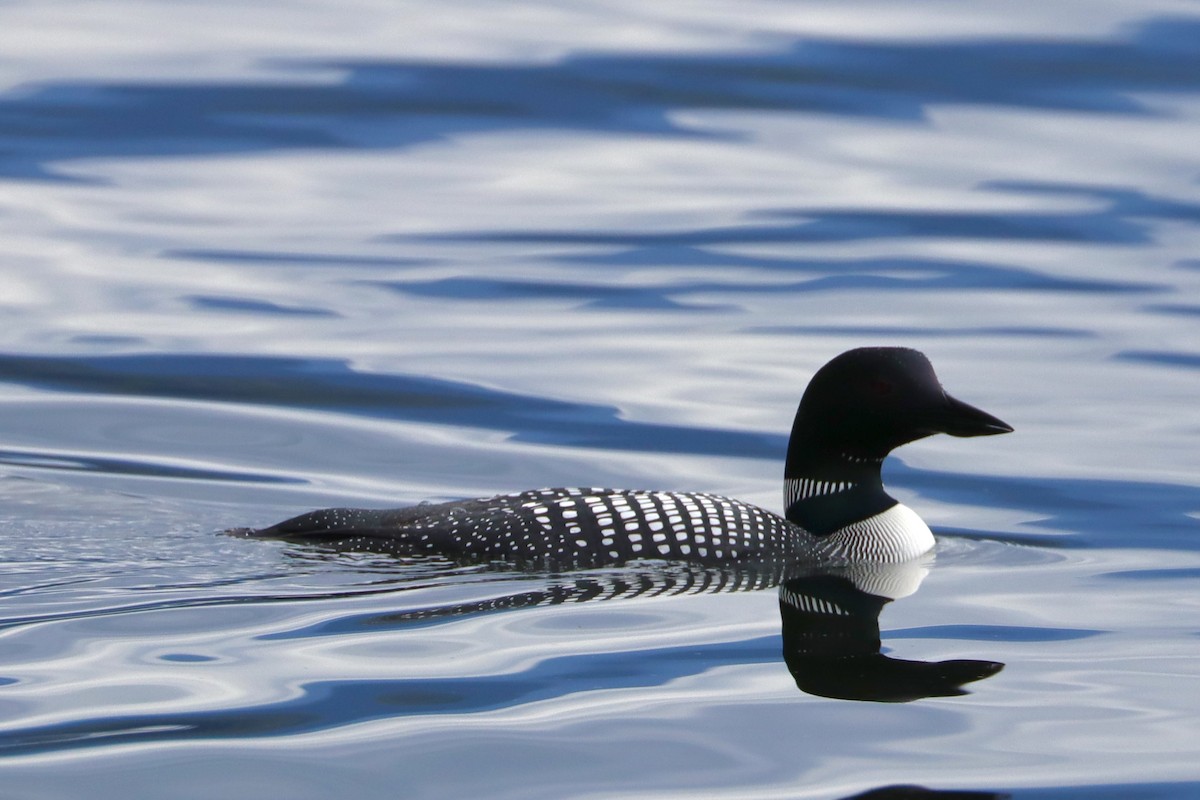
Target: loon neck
[(823, 495)]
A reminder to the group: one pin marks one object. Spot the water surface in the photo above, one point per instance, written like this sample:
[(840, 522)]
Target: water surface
[(259, 261)]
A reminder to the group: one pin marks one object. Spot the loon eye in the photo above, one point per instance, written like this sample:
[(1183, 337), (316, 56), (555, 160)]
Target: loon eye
[(881, 387)]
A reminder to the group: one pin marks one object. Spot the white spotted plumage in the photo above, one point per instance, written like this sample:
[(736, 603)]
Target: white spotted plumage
[(602, 525)]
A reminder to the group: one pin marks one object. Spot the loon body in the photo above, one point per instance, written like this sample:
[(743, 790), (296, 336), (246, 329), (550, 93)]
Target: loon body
[(856, 409)]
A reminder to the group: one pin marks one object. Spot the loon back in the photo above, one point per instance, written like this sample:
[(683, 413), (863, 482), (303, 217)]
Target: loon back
[(566, 528), (856, 409)]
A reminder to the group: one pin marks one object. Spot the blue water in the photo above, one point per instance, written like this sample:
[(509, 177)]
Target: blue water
[(259, 260)]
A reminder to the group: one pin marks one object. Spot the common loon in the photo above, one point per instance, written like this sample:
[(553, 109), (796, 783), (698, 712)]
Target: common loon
[(856, 409)]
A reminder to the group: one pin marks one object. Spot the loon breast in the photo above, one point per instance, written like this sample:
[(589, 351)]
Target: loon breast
[(896, 534)]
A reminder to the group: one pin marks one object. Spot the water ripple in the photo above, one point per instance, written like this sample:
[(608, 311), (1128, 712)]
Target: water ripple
[(326, 704), (334, 385), (993, 633), (114, 465), (402, 103)]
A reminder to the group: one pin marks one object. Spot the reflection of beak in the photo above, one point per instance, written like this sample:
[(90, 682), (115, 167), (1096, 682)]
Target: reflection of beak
[(960, 419)]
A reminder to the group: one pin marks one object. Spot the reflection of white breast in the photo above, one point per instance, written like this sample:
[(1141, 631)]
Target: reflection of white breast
[(891, 580), (897, 534)]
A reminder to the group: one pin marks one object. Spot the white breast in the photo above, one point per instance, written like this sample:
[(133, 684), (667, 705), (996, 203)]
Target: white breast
[(897, 534)]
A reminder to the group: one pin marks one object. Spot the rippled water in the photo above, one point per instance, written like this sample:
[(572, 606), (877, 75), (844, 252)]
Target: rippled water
[(261, 260)]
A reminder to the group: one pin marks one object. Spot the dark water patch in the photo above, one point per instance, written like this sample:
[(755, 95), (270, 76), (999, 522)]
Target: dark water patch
[(827, 225), (662, 254), (1124, 217), (323, 705), (187, 658), (333, 385), (992, 633), (262, 307), (108, 465), (883, 332), (924, 272), (1182, 790), (590, 295), (841, 273), (285, 259), (398, 103), (105, 340), (1160, 574), (1173, 309), (819, 225), (1165, 790), (870, 274), (1161, 357)]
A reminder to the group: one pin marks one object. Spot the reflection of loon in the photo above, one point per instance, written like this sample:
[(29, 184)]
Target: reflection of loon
[(856, 409), (831, 638), (830, 619)]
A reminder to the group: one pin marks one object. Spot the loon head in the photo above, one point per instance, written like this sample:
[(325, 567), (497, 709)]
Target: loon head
[(869, 401), (858, 408)]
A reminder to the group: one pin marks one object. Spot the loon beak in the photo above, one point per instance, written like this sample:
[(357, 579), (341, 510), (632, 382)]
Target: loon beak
[(960, 419)]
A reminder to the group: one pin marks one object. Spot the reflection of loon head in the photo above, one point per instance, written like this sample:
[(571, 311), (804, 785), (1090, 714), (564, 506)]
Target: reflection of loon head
[(831, 638)]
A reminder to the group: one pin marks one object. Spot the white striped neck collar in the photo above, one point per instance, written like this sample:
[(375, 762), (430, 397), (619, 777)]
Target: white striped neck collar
[(844, 473), (843, 490), (797, 489)]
